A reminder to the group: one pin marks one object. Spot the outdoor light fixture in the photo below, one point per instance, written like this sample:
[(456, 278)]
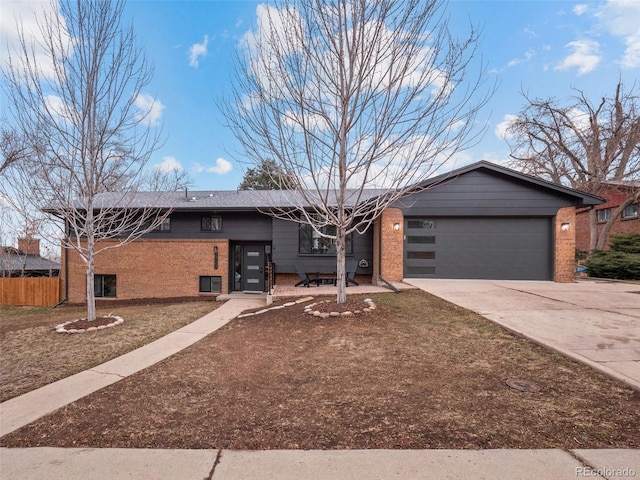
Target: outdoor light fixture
[(564, 227), (396, 226)]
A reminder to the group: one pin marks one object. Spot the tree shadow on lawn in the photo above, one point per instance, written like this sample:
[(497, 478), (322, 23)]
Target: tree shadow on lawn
[(417, 373)]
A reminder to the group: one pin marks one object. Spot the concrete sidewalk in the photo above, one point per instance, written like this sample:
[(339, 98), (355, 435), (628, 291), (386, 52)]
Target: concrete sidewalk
[(596, 323), (26, 408), (116, 464)]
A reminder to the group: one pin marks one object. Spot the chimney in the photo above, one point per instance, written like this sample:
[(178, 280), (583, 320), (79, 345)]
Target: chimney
[(29, 245)]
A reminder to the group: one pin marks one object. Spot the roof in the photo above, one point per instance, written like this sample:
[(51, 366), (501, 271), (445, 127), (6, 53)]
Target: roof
[(217, 199), (12, 261), (266, 199), (582, 198)]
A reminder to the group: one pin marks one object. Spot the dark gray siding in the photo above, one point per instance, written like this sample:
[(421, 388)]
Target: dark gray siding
[(285, 250), (240, 226), (484, 193)]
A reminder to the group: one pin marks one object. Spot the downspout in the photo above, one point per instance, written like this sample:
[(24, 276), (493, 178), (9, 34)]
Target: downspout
[(66, 271)]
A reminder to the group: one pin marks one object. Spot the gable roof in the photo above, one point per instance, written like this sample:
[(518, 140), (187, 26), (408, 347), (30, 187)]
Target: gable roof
[(244, 200), (581, 198)]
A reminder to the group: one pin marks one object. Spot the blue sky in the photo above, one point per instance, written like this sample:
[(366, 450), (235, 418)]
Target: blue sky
[(543, 47)]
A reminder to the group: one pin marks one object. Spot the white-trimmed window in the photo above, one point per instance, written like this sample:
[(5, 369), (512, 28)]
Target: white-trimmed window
[(603, 215), (631, 211)]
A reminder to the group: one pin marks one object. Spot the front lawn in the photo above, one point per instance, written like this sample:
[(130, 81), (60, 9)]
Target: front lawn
[(33, 355), (416, 373)]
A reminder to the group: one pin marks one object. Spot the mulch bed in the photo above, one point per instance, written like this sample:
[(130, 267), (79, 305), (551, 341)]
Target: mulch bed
[(417, 372)]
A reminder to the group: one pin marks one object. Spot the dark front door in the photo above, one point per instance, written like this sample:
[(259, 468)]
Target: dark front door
[(253, 267)]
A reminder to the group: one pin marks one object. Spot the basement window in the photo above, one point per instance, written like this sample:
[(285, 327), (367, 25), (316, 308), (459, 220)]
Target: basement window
[(210, 284), (104, 286)]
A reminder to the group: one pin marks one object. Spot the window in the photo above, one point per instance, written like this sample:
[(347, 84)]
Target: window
[(211, 223), (630, 212), (210, 284), (421, 255), (422, 224), (104, 285), (603, 214), (311, 242), (165, 226), (421, 239)]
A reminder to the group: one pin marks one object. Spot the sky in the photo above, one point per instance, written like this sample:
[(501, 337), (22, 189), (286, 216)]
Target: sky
[(544, 48)]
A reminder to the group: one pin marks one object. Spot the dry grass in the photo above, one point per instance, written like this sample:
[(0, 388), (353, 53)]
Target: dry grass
[(417, 373), (33, 355)]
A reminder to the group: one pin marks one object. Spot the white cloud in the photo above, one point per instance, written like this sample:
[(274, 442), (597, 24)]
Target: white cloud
[(529, 54), (580, 9), (149, 109), (198, 50), (620, 19), (221, 167), (502, 129), (27, 15), (585, 56), (168, 164)]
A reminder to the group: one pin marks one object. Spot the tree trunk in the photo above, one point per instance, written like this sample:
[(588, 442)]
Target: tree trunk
[(91, 294), (593, 230), (341, 277)]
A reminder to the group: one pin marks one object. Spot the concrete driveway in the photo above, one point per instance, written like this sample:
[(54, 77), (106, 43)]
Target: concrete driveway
[(597, 323)]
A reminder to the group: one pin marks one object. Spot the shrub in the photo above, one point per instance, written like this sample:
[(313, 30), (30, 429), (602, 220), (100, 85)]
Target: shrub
[(621, 261)]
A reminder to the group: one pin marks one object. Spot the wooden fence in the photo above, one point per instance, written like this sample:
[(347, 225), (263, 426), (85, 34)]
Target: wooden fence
[(32, 291)]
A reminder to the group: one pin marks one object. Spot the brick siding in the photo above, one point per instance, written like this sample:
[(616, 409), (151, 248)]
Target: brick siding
[(154, 268), (391, 242), (565, 243)]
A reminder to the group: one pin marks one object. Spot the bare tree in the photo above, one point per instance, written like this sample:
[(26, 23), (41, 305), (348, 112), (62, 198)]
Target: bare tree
[(584, 145), (350, 95), (86, 134)]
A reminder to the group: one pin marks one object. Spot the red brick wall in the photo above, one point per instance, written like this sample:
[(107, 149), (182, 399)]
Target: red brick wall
[(565, 243), (614, 197), (154, 268), (391, 244)]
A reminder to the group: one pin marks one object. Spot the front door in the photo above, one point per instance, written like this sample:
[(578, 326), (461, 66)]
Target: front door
[(253, 267)]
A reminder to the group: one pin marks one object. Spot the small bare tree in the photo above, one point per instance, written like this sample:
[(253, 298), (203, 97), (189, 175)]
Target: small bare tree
[(85, 135), (584, 145), (350, 95)]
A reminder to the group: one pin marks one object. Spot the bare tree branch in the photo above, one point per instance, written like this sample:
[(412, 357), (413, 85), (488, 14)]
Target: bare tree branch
[(349, 95), (85, 132), (584, 145)]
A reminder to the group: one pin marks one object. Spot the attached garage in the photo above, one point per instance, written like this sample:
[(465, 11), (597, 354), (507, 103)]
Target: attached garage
[(483, 221), (483, 247)]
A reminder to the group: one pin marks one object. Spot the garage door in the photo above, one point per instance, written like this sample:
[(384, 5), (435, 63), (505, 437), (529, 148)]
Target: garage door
[(481, 248)]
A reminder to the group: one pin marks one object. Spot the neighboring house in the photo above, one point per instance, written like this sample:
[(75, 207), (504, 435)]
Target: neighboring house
[(482, 221), (614, 194), (25, 261)]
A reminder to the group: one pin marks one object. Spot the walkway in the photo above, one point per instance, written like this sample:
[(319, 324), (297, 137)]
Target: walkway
[(26, 408)]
